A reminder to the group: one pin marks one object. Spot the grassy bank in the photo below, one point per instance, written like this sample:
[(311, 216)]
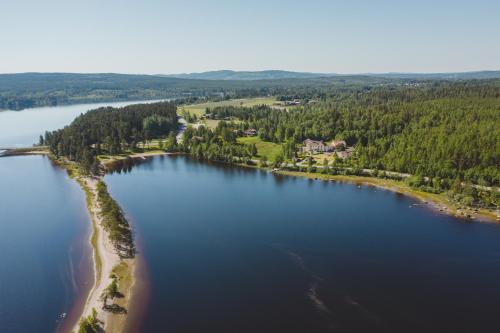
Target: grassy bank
[(199, 109), (265, 149)]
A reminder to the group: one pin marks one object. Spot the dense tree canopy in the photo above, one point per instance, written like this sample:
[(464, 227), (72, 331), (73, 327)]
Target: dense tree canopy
[(111, 130), (445, 130), (444, 134)]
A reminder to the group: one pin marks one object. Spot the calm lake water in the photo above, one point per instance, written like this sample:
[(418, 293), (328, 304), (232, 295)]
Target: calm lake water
[(23, 128), (44, 257), (241, 250), (44, 227)]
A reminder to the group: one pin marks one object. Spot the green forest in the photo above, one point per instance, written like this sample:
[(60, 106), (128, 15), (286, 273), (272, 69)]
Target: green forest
[(110, 130), (445, 134), (29, 90), (446, 131)]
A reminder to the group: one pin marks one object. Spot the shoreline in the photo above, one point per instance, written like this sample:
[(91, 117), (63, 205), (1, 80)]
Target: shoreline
[(140, 291), (106, 262), (85, 277), (438, 202), (25, 151)]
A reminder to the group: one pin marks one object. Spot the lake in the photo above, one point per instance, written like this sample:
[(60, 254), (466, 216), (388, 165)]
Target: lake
[(242, 250), (44, 251), (44, 227), (23, 128)]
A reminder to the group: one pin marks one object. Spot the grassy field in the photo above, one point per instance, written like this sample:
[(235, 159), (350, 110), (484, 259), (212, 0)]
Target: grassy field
[(199, 109), (267, 149), (319, 158), (211, 123)]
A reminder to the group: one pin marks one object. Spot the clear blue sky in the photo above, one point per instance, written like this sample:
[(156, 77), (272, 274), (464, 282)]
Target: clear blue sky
[(173, 36)]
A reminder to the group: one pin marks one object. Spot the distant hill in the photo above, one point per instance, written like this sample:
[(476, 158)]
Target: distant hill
[(441, 76), (279, 74), (27, 90), (248, 75)]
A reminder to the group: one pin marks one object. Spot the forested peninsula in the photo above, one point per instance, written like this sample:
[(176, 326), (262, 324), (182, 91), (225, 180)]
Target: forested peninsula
[(111, 131), (77, 148)]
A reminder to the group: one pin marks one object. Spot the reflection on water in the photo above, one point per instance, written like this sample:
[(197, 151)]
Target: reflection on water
[(242, 250)]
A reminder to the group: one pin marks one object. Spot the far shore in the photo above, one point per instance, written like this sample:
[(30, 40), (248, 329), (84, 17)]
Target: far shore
[(25, 151)]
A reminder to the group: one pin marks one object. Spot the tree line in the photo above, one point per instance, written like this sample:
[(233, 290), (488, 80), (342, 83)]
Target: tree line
[(27, 90), (447, 131)]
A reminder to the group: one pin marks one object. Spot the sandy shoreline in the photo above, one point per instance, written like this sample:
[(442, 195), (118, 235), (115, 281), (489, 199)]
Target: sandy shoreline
[(105, 260)]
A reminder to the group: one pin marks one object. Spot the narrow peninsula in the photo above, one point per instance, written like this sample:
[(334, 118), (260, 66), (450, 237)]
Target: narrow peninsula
[(77, 148)]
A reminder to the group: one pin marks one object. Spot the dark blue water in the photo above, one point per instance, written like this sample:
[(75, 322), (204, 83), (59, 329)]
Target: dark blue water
[(43, 241), (237, 250)]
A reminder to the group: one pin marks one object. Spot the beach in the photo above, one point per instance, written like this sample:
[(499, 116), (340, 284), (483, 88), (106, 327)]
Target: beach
[(105, 263)]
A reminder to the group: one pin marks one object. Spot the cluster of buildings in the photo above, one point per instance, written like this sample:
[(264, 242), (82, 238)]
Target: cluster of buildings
[(338, 146), (293, 102), (250, 132)]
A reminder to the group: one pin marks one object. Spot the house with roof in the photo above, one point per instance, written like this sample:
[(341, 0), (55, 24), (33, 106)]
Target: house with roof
[(338, 144), (250, 132), (314, 146), (345, 153)]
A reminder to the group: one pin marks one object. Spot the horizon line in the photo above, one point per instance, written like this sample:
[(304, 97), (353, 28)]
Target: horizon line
[(256, 71)]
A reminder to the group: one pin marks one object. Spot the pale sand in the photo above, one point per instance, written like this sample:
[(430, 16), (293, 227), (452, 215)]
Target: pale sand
[(109, 160), (105, 259)]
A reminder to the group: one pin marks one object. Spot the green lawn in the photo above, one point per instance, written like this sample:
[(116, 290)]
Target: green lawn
[(211, 123), (264, 148), (199, 109)]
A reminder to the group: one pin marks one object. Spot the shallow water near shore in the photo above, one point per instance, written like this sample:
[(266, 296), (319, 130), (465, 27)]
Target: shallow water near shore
[(44, 250), (242, 250)]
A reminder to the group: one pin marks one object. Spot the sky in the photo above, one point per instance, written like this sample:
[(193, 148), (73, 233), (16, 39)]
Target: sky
[(171, 36)]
